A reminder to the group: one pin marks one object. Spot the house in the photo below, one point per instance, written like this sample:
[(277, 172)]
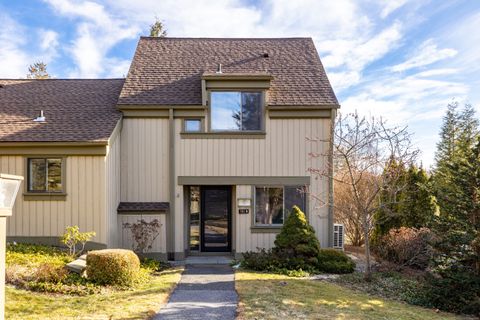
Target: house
[(211, 137)]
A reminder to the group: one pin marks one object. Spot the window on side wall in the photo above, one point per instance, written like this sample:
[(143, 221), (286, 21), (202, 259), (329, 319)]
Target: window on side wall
[(45, 175), (273, 204), (236, 111), (193, 125)]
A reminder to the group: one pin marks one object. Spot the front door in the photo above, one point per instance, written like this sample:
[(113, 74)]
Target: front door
[(216, 218)]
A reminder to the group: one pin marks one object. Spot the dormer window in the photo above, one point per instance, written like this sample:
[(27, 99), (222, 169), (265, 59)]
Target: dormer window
[(236, 110)]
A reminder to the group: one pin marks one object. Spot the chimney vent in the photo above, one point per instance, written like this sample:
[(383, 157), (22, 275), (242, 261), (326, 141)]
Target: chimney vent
[(265, 55), (219, 70), (40, 118)]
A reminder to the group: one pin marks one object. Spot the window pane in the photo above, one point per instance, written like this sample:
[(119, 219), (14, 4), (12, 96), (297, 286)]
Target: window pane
[(54, 175), (193, 125), (226, 109), (268, 205), (37, 175), (295, 196), (233, 111), (251, 111), (194, 218)]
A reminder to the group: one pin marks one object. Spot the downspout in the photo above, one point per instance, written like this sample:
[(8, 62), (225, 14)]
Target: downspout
[(171, 215), (330, 181)]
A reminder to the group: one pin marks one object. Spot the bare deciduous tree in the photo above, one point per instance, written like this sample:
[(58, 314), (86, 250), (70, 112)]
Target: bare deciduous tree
[(346, 212), (367, 155)]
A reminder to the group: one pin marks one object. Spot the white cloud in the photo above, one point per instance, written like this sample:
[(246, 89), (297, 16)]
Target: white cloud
[(438, 72), (426, 54), (13, 59), (48, 45), (391, 6), (48, 39), (97, 32), (355, 55)]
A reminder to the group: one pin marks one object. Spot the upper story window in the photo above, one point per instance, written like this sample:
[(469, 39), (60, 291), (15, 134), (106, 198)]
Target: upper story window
[(236, 111), (45, 175)]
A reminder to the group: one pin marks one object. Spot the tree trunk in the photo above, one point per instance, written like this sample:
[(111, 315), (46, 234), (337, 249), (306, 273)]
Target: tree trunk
[(368, 269)]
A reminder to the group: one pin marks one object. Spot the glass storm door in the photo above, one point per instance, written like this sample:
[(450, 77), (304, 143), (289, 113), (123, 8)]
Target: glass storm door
[(216, 218)]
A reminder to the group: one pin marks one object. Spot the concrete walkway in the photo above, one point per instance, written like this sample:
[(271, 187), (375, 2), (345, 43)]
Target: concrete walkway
[(204, 292)]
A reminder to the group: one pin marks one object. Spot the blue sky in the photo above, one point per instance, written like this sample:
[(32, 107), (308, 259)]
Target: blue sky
[(404, 60)]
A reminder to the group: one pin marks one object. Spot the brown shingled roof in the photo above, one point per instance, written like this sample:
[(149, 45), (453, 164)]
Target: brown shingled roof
[(75, 110), (167, 71)]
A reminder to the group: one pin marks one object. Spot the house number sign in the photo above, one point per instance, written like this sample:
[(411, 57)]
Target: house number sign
[(243, 211)]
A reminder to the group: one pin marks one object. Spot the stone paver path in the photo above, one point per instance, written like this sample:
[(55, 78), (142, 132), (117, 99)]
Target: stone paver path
[(204, 292)]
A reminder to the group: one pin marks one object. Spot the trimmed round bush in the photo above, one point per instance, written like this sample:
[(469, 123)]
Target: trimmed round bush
[(335, 261), (113, 267)]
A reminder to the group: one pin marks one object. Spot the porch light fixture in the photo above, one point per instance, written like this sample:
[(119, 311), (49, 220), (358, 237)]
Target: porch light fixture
[(9, 186)]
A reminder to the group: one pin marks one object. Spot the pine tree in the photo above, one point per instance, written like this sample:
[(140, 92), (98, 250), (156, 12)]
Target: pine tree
[(157, 29), (38, 70), (418, 205), (456, 264), (445, 156), (388, 215), (296, 244)]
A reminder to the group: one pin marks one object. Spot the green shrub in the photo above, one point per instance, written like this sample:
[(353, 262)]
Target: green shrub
[(454, 289), (154, 265), (334, 261), (113, 267), (31, 255), (263, 260), (296, 246)]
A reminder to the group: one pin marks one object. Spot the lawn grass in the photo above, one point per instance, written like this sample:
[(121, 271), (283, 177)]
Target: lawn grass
[(273, 296), (134, 304)]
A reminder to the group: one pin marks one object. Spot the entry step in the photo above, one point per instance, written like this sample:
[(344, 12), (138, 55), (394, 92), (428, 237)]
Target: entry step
[(208, 260)]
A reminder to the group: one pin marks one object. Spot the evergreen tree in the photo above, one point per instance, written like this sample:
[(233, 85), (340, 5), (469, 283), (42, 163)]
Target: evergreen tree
[(418, 205), (453, 169), (157, 29), (38, 70), (297, 245), (456, 284), (388, 214)]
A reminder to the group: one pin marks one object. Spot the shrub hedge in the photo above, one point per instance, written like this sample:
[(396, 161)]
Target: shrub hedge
[(297, 252), (334, 261), (113, 267)]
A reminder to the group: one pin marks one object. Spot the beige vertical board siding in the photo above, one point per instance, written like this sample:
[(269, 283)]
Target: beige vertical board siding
[(179, 238), (84, 204), (284, 152), (112, 171), (125, 236), (144, 160)]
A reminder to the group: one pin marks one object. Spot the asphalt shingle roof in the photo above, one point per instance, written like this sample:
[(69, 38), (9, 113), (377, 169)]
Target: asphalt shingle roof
[(75, 110), (168, 71)]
